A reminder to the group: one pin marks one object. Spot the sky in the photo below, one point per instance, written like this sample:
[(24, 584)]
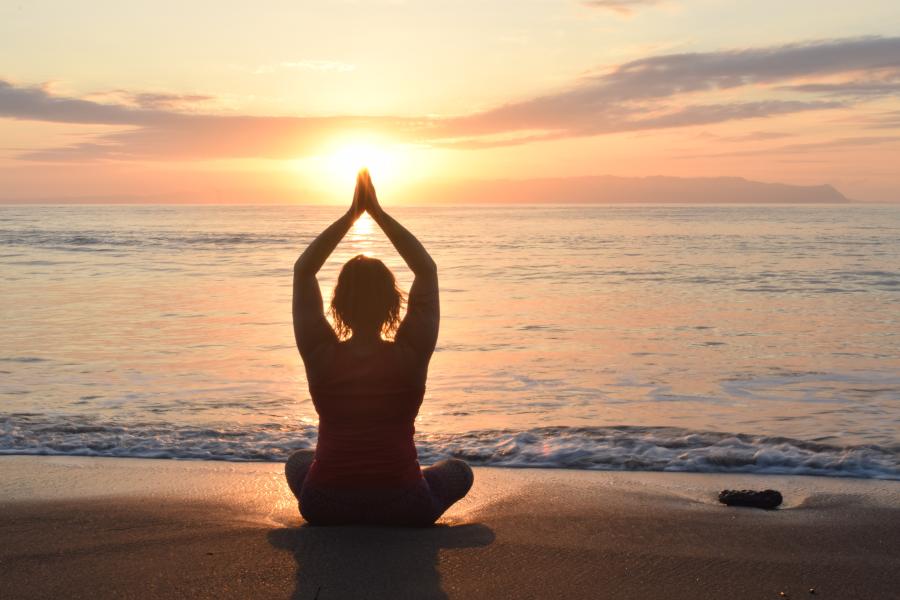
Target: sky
[(282, 101)]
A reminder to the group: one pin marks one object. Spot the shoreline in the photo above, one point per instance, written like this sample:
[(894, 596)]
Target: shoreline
[(113, 527), (31, 477), (620, 448)]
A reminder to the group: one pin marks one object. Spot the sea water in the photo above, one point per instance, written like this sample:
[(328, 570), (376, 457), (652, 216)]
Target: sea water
[(671, 337)]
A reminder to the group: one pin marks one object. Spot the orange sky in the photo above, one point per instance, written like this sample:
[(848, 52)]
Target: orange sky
[(190, 102)]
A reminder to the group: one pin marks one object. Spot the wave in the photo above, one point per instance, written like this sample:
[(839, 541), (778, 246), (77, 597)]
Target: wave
[(624, 448), (100, 241)]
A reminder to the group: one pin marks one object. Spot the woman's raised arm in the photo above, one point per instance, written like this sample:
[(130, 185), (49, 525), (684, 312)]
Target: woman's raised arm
[(410, 249), (419, 328), (311, 329)]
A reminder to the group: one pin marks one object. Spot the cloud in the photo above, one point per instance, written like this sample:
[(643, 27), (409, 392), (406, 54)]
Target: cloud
[(621, 98), (859, 141), (884, 120), (868, 88), (663, 91), (623, 7), (613, 93), (38, 104), (187, 137), (754, 136), (147, 99), (836, 144), (625, 121), (168, 101), (332, 66), (163, 133)]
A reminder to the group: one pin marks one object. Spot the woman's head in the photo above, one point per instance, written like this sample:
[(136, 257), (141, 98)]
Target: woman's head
[(366, 299)]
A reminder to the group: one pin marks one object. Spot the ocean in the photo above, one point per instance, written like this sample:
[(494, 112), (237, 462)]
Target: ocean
[(751, 339)]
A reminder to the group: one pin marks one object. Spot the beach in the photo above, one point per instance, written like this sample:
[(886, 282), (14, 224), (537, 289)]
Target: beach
[(135, 528)]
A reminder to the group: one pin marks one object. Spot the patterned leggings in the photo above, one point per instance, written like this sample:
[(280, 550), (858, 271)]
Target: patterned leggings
[(445, 482)]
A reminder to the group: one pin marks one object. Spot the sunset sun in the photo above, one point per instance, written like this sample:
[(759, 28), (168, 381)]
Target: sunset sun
[(383, 160)]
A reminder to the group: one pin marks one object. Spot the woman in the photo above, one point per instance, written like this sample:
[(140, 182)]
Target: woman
[(367, 387)]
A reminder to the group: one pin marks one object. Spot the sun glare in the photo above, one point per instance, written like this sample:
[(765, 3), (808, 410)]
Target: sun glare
[(384, 161), (393, 166)]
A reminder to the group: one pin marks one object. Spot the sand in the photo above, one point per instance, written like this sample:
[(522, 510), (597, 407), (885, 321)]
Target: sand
[(132, 528)]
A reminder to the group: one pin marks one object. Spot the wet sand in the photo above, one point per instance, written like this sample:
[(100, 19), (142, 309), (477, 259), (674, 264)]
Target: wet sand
[(132, 528)]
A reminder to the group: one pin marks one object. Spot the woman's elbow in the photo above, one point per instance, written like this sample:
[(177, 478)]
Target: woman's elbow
[(427, 267), (301, 268)]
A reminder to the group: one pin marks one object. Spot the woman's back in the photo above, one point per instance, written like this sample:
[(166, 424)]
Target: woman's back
[(367, 408)]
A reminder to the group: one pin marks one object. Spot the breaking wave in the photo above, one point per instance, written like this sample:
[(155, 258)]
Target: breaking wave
[(592, 448)]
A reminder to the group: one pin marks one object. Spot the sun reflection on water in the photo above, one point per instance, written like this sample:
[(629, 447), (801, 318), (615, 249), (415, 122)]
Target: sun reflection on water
[(360, 238), (364, 226)]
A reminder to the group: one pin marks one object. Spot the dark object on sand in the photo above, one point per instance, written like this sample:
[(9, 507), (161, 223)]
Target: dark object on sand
[(767, 499)]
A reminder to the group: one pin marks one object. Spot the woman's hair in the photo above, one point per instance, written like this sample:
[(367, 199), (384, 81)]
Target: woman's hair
[(366, 297)]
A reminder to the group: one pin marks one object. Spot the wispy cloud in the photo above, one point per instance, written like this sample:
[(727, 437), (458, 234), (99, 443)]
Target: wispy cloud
[(754, 136), (148, 99), (675, 89), (663, 91), (332, 66), (37, 103), (168, 101), (884, 120), (473, 131), (836, 144), (622, 7), (867, 88)]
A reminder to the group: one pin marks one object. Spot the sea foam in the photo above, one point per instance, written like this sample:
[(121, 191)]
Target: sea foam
[(591, 448)]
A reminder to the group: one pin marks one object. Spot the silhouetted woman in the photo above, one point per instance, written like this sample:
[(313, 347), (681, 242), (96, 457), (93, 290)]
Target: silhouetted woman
[(366, 387)]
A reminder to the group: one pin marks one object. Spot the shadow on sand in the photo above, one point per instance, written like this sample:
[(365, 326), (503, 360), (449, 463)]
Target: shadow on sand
[(373, 562)]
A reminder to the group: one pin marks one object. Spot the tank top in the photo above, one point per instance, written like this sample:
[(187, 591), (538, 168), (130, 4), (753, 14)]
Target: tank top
[(367, 409)]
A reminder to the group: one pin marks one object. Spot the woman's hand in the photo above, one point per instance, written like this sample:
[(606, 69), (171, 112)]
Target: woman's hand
[(370, 197), (358, 207)]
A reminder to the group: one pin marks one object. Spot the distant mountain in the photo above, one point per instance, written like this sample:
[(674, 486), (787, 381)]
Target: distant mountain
[(609, 189)]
